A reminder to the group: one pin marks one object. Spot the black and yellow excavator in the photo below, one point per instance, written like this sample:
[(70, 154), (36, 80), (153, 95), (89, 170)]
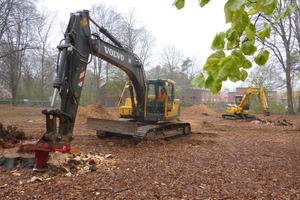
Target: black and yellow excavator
[(143, 115), (240, 110)]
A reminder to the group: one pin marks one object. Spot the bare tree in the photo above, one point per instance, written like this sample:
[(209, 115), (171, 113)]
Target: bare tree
[(296, 29), (282, 45), (5, 10), (172, 59), (107, 17), (145, 46), (17, 39), (269, 76), (137, 38), (190, 67), (44, 27)]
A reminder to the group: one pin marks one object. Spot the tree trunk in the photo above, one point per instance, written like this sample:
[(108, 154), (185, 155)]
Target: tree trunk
[(14, 96), (42, 85), (289, 95), (298, 110)]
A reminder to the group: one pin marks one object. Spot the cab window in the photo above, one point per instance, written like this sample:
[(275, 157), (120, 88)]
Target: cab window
[(170, 93)]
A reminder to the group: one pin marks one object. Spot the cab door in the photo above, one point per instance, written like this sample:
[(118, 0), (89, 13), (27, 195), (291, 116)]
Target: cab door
[(171, 104)]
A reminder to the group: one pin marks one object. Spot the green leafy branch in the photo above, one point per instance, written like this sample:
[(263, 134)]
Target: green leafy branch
[(238, 42)]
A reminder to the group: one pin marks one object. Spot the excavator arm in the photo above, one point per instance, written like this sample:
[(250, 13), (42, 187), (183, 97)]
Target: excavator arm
[(263, 101), (74, 53), (79, 44), (127, 62)]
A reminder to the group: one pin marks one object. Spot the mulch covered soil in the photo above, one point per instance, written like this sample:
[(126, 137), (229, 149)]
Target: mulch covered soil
[(221, 159)]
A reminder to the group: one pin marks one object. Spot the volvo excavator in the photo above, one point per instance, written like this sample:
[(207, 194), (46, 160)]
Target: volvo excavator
[(143, 116), (240, 110)]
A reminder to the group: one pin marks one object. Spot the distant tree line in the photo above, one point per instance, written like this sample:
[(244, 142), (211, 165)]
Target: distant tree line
[(28, 55)]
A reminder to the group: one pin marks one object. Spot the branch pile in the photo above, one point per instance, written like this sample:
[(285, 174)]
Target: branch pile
[(282, 122)]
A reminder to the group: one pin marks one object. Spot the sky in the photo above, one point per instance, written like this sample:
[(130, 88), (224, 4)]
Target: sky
[(190, 29)]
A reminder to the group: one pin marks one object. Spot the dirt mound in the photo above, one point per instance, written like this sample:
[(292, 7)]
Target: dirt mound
[(199, 110), (10, 136), (94, 111)]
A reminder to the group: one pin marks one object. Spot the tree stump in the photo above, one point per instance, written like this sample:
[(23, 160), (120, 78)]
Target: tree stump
[(28, 160), (10, 160)]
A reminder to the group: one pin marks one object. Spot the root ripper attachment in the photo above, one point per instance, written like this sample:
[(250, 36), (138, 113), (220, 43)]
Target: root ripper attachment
[(42, 155), (52, 141)]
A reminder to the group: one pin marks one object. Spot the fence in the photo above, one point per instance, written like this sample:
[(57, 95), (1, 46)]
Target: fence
[(218, 107), (25, 102)]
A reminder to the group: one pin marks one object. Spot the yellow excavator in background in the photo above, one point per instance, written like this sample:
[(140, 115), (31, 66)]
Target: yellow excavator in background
[(240, 110)]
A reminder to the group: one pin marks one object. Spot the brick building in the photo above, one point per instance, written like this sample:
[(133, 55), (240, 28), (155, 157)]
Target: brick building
[(270, 95), (201, 96), (197, 96)]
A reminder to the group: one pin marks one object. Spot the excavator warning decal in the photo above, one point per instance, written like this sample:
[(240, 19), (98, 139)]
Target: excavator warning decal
[(81, 77), (83, 22)]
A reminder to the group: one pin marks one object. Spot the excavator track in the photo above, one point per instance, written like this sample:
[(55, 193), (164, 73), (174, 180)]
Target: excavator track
[(138, 130), (236, 117)]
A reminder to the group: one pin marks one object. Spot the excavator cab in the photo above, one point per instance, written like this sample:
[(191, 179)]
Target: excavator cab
[(161, 104), (238, 99), (160, 101)]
